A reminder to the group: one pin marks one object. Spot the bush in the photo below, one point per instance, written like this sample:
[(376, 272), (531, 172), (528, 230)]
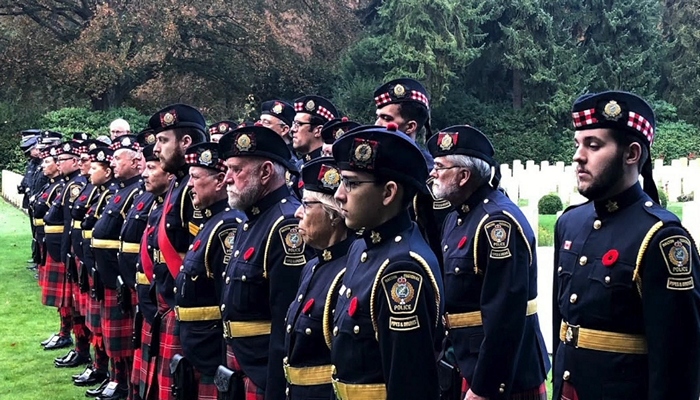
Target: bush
[(550, 204), (73, 119), (663, 197)]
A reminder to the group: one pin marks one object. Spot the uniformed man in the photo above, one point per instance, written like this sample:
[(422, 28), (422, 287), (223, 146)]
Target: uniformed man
[(105, 185), (177, 127), (156, 181), (625, 305), (268, 254), (334, 129), (119, 127), (115, 313), (490, 276), (311, 113), (307, 362), (406, 102), (30, 146), (389, 306), (199, 283), (278, 115), (219, 129)]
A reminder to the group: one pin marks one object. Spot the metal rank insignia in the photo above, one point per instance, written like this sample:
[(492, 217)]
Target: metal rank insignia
[(168, 118), (244, 142), (206, 157), (326, 255), (310, 105), (329, 177), (447, 141), (399, 90), (612, 110), (278, 107), (364, 153), (100, 156)]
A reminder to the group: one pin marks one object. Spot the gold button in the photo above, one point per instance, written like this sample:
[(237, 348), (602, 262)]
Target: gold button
[(397, 239), (223, 307), (583, 260), (363, 257), (174, 290), (597, 224), (573, 298), (245, 227), (457, 270), (244, 278), (459, 221), (300, 298), (228, 280), (308, 331), (236, 253), (356, 329), (607, 279), (559, 269), (289, 328), (648, 204), (335, 331), (567, 375), (348, 293), (445, 248)]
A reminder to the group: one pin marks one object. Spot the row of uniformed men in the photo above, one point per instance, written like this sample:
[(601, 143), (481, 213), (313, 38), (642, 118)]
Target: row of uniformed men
[(374, 302)]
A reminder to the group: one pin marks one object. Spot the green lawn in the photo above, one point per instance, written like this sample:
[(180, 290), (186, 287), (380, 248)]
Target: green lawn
[(26, 369)]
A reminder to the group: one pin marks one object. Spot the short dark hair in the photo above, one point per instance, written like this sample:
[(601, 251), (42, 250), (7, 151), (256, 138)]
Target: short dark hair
[(411, 110), (317, 120), (187, 131), (623, 139), (409, 191)]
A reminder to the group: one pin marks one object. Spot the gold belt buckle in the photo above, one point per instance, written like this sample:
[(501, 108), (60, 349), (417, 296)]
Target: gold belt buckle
[(227, 332), (571, 335)]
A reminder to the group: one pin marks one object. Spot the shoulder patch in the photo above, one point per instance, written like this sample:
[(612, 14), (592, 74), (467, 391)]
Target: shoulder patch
[(74, 192), (498, 235), (402, 289), (293, 245), (676, 252), (226, 239)]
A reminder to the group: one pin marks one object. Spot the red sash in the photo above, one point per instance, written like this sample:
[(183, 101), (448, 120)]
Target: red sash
[(172, 258), (146, 260)]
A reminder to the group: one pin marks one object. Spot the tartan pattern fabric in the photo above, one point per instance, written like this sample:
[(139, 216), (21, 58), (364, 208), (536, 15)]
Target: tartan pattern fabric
[(82, 335), (139, 374), (53, 282), (101, 360), (206, 389), (93, 319), (66, 321), (584, 117), (538, 393), (325, 113), (252, 392), (169, 346), (415, 95), (193, 159), (298, 106), (148, 384), (638, 122), (116, 327), (568, 392)]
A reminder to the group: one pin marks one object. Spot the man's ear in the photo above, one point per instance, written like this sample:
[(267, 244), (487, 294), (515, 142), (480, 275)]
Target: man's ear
[(411, 127), (390, 193), (633, 154)]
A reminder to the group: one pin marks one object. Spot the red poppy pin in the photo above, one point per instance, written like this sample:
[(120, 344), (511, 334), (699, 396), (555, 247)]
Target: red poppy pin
[(353, 307), (196, 244), (610, 257), (462, 242), (307, 306), (117, 199), (45, 195), (139, 206), (300, 185), (168, 208), (248, 253), (83, 198)]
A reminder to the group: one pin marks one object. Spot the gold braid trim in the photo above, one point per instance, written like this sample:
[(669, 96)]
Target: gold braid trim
[(269, 240), (128, 203), (214, 232), (636, 277), (429, 272), (327, 331), (520, 229), (476, 242), (377, 278)]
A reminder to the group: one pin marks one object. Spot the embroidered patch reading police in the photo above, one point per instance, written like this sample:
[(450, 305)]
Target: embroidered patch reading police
[(676, 251), (226, 239), (498, 234), (293, 246), (402, 289)]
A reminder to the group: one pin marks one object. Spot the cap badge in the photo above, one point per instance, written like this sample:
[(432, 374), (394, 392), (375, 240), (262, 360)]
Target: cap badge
[(205, 157), (329, 177), (223, 128), (278, 107), (447, 141), (338, 133), (92, 146), (363, 153), (100, 156), (126, 142), (310, 105), (150, 138), (243, 143), (612, 110), (399, 90), (66, 147), (52, 151), (168, 118)]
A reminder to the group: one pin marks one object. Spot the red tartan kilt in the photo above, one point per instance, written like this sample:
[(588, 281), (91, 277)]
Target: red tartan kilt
[(169, 346), (139, 375), (538, 393), (252, 392), (94, 310), (54, 291), (116, 327), (206, 390)]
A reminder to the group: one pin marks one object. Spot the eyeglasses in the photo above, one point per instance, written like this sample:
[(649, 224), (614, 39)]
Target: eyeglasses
[(350, 184), (306, 204), (268, 124), (437, 167), (60, 160), (299, 124)]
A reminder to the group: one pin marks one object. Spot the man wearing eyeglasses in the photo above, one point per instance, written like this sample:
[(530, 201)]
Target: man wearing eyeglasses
[(119, 127), (389, 307), (311, 113), (490, 274)]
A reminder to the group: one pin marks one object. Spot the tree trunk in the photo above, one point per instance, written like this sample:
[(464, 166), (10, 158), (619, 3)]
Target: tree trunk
[(517, 89)]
